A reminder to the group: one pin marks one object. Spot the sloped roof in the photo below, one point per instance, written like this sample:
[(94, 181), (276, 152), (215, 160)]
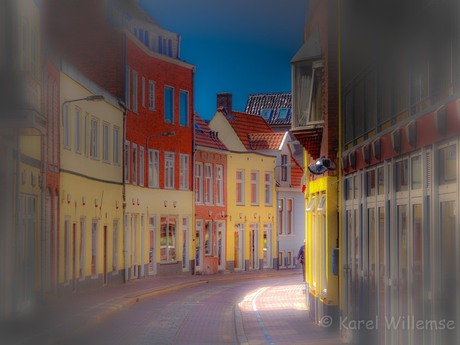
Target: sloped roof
[(266, 141), (310, 50), (204, 136), (271, 103), (245, 124)]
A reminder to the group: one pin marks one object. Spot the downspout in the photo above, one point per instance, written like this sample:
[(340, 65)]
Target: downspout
[(339, 154), (193, 221)]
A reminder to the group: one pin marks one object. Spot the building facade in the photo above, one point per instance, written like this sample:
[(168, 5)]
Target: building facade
[(401, 166), (91, 214), (210, 200), (315, 125)]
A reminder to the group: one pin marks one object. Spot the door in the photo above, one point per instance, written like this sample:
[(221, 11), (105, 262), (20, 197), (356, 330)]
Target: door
[(104, 254), (134, 247), (239, 246), (199, 246), (152, 269), (220, 245), (268, 233), (74, 256), (254, 246)]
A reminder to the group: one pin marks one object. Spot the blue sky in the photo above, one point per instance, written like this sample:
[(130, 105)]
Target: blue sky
[(237, 46)]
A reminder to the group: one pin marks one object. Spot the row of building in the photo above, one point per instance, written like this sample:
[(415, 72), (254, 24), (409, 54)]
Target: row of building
[(108, 173), (376, 92)]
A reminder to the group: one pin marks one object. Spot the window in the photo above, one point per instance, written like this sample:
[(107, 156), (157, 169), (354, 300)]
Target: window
[(143, 92), (416, 172), (280, 216), (208, 238), (66, 127), (94, 248), (94, 139), (199, 183), (135, 163), (240, 187), (402, 176), (77, 120), (127, 161), (116, 145), (370, 183), (184, 172), (67, 251), (183, 108), (219, 185), (154, 168), (169, 104), (135, 87), (307, 94), (267, 114), (448, 164), (169, 169), (254, 187), (168, 239), (105, 142), (208, 192), (85, 134), (151, 95), (284, 168), (289, 217), (268, 189), (141, 166), (128, 87)]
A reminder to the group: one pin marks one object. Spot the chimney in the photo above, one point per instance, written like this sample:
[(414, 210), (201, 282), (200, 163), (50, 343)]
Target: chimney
[(224, 101)]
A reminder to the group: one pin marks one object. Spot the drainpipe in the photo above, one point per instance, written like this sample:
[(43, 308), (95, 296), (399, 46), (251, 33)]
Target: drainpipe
[(125, 226), (339, 155)]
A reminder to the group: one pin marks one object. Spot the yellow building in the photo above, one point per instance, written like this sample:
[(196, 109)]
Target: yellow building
[(251, 241), (251, 237), (91, 212)]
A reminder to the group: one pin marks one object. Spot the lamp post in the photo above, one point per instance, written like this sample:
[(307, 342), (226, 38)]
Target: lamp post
[(164, 134)]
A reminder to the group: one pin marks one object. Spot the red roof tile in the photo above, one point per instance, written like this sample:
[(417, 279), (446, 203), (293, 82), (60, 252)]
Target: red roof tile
[(205, 137), (265, 141), (245, 124)]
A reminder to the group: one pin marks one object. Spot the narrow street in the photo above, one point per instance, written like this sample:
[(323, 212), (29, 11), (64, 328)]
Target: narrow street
[(248, 309)]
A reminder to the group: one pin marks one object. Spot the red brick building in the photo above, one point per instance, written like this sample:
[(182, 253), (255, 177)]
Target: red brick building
[(210, 199)]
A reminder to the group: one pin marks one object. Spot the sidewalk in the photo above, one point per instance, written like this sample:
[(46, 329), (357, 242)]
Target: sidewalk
[(72, 313)]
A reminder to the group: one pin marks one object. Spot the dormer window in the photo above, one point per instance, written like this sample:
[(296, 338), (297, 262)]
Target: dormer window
[(266, 114)]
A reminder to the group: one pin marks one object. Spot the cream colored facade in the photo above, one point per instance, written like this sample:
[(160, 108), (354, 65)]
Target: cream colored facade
[(91, 189), (251, 235), (158, 231)]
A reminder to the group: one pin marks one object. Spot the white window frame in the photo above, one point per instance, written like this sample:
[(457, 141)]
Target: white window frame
[(169, 170), (154, 168), (128, 87), (255, 187), (94, 138), (239, 186), (141, 166), (199, 191), (268, 185), (208, 182), (143, 92), (219, 185), (66, 127), (85, 134), (127, 155), (77, 132), (135, 91), (135, 162), (105, 142), (116, 145), (290, 216), (184, 175)]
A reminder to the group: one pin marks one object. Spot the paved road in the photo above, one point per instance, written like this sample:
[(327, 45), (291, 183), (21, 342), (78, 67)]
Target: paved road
[(242, 308)]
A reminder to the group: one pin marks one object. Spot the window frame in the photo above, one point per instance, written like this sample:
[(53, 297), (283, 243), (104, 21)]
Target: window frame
[(141, 166), (152, 88), (268, 186), (184, 171), (105, 142), (208, 184), (254, 188), (94, 138), (219, 182), (168, 117), (169, 170), (239, 181), (153, 166), (199, 183), (184, 116)]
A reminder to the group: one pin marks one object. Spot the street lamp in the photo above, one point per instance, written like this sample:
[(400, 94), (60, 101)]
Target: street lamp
[(91, 98), (164, 134)]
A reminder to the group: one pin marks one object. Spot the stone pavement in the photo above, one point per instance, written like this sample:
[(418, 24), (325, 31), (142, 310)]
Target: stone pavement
[(74, 312)]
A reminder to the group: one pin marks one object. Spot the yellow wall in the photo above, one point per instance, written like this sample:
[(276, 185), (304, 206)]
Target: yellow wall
[(328, 186), (152, 203), (90, 189), (226, 132), (264, 214)]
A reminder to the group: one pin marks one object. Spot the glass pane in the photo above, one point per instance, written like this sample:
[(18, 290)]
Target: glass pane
[(401, 170), (416, 172), (381, 181), (448, 165), (370, 188)]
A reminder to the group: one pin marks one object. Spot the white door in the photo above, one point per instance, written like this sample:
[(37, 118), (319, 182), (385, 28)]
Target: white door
[(220, 245)]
